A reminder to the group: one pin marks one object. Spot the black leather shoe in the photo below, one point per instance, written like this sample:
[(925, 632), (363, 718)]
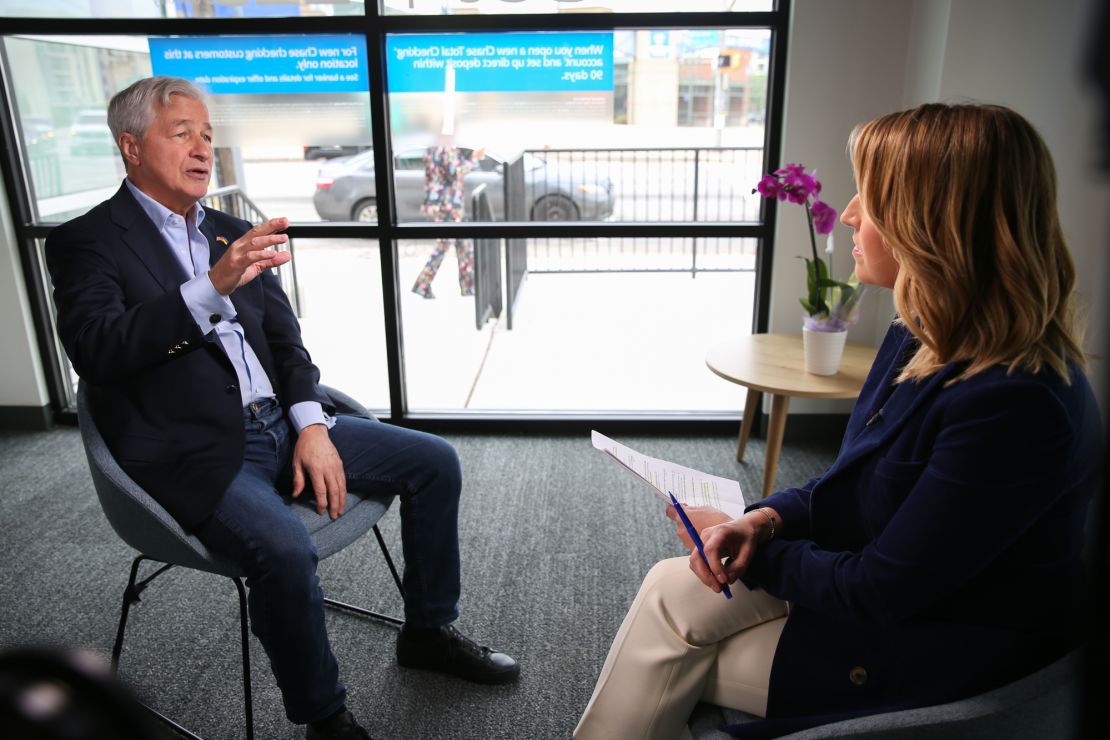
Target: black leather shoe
[(339, 726), (446, 650)]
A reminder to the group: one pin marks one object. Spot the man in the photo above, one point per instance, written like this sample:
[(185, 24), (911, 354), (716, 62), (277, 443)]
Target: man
[(205, 394)]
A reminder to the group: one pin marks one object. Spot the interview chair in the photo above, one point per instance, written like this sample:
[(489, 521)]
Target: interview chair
[(144, 525), (1041, 705)]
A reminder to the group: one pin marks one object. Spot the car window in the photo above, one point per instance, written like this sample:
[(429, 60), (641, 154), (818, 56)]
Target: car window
[(362, 160), (488, 164), (412, 159)]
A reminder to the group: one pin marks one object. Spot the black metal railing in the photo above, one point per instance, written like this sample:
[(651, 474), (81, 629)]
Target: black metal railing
[(642, 254), (232, 200), (641, 185), (487, 263)]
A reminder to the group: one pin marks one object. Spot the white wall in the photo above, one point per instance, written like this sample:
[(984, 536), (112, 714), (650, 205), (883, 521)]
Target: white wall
[(854, 59), (20, 367), (1029, 59), (847, 64)]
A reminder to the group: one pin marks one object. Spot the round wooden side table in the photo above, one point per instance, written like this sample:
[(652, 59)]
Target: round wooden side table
[(775, 364)]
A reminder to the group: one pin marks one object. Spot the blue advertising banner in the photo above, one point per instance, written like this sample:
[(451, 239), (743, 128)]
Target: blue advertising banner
[(237, 65), (501, 62)]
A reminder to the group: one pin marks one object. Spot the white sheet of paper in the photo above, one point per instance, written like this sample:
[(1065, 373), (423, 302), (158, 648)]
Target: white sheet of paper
[(689, 486)]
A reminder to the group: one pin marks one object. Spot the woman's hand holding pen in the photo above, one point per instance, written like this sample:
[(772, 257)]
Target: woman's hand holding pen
[(736, 541), (701, 517)]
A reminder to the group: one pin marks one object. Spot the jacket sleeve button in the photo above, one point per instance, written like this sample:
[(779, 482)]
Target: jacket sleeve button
[(858, 675), (215, 318)]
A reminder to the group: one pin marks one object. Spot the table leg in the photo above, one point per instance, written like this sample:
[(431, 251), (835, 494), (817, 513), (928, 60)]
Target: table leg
[(775, 428), (751, 409)]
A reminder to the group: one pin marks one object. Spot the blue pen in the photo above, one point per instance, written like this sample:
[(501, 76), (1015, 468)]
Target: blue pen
[(697, 540)]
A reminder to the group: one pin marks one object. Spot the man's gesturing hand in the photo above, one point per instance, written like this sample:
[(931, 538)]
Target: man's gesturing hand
[(316, 459), (249, 255)]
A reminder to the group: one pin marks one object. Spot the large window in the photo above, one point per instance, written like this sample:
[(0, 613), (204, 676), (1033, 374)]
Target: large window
[(307, 8), (602, 233)]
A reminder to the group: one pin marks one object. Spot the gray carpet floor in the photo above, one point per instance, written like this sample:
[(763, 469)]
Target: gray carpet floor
[(555, 539)]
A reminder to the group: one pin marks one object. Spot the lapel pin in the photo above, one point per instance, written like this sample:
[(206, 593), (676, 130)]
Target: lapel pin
[(222, 240)]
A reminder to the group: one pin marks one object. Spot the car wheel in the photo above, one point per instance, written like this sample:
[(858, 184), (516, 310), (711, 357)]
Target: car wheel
[(554, 208), (365, 211)]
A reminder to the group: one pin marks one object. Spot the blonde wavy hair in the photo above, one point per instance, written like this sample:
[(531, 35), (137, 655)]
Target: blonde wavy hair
[(964, 196)]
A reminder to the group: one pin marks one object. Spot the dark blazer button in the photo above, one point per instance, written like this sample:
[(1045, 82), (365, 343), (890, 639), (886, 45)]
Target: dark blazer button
[(215, 318), (232, 388), (858, 675)]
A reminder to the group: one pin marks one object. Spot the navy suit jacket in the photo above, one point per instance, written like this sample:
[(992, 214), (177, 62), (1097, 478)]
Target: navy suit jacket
[(163, 390), (939, 556)]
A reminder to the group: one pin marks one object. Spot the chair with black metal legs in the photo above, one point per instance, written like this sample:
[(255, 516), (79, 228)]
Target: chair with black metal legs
[(144, 525)]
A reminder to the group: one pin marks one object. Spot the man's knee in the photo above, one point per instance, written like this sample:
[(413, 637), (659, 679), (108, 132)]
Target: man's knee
[(287, 552), (441, 460)]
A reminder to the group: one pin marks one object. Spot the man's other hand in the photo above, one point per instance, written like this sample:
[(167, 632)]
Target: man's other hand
[(249, 255), (316, 460)]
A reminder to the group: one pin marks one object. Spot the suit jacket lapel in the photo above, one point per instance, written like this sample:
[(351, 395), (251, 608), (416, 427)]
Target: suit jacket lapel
[(899, 407), (141, 236)]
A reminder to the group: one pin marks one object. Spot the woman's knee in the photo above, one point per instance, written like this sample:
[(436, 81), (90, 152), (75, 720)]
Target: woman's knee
[(672, 594), (669, 594), (672, 583)]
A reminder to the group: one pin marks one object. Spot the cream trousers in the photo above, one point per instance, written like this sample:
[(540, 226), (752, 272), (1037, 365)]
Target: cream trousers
[(681, 643)]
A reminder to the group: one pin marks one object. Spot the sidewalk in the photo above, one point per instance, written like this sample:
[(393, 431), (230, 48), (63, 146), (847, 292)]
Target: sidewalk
[(620, 342)]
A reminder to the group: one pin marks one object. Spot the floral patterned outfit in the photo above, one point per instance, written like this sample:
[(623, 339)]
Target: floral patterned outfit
[(444, 169)]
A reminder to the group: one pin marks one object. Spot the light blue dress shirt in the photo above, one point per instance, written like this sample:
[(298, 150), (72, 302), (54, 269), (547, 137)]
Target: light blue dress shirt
[(190, 247)]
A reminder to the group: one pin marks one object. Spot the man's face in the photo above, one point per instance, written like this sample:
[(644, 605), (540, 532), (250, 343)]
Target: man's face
[(172, 163)]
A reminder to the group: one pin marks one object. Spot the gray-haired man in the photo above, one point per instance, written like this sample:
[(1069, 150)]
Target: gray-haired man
[(207, 397)]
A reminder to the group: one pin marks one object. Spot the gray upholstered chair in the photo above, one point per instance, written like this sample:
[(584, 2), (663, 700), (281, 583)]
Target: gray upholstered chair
[(144, 525), (1042, 705)]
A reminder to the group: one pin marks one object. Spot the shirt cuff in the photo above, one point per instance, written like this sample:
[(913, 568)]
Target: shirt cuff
[(205, 303), (306, 413)]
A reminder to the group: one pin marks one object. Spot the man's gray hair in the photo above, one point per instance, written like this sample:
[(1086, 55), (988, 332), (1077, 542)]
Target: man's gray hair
[(132, 109)]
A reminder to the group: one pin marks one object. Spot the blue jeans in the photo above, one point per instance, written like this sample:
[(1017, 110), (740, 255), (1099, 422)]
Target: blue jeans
[(254, 526)]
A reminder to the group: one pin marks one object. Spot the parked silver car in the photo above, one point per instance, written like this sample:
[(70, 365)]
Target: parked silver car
[(90, 134), (553, 191)]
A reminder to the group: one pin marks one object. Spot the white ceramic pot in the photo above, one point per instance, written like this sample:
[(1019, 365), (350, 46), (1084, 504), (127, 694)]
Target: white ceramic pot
[(823, 350)]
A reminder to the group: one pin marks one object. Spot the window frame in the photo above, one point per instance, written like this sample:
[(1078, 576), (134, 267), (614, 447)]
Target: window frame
[(376, 26)]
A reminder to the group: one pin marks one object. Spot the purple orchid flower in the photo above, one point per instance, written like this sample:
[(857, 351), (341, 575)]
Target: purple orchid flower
[(770, 187), (829, 304), (824, 217), (799, 187)]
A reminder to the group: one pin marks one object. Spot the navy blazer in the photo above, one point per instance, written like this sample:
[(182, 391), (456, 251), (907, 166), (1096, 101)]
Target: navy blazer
[(939, 556), (163, 390)]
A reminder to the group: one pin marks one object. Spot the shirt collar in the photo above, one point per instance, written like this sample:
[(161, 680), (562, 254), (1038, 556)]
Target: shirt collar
[(157, 212)]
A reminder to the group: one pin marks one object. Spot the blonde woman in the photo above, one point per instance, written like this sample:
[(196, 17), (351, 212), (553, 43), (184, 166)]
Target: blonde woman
[(938, 556)]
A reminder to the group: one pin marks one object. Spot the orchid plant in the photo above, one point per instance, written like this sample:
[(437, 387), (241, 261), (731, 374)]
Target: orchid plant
[(830, 305)]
